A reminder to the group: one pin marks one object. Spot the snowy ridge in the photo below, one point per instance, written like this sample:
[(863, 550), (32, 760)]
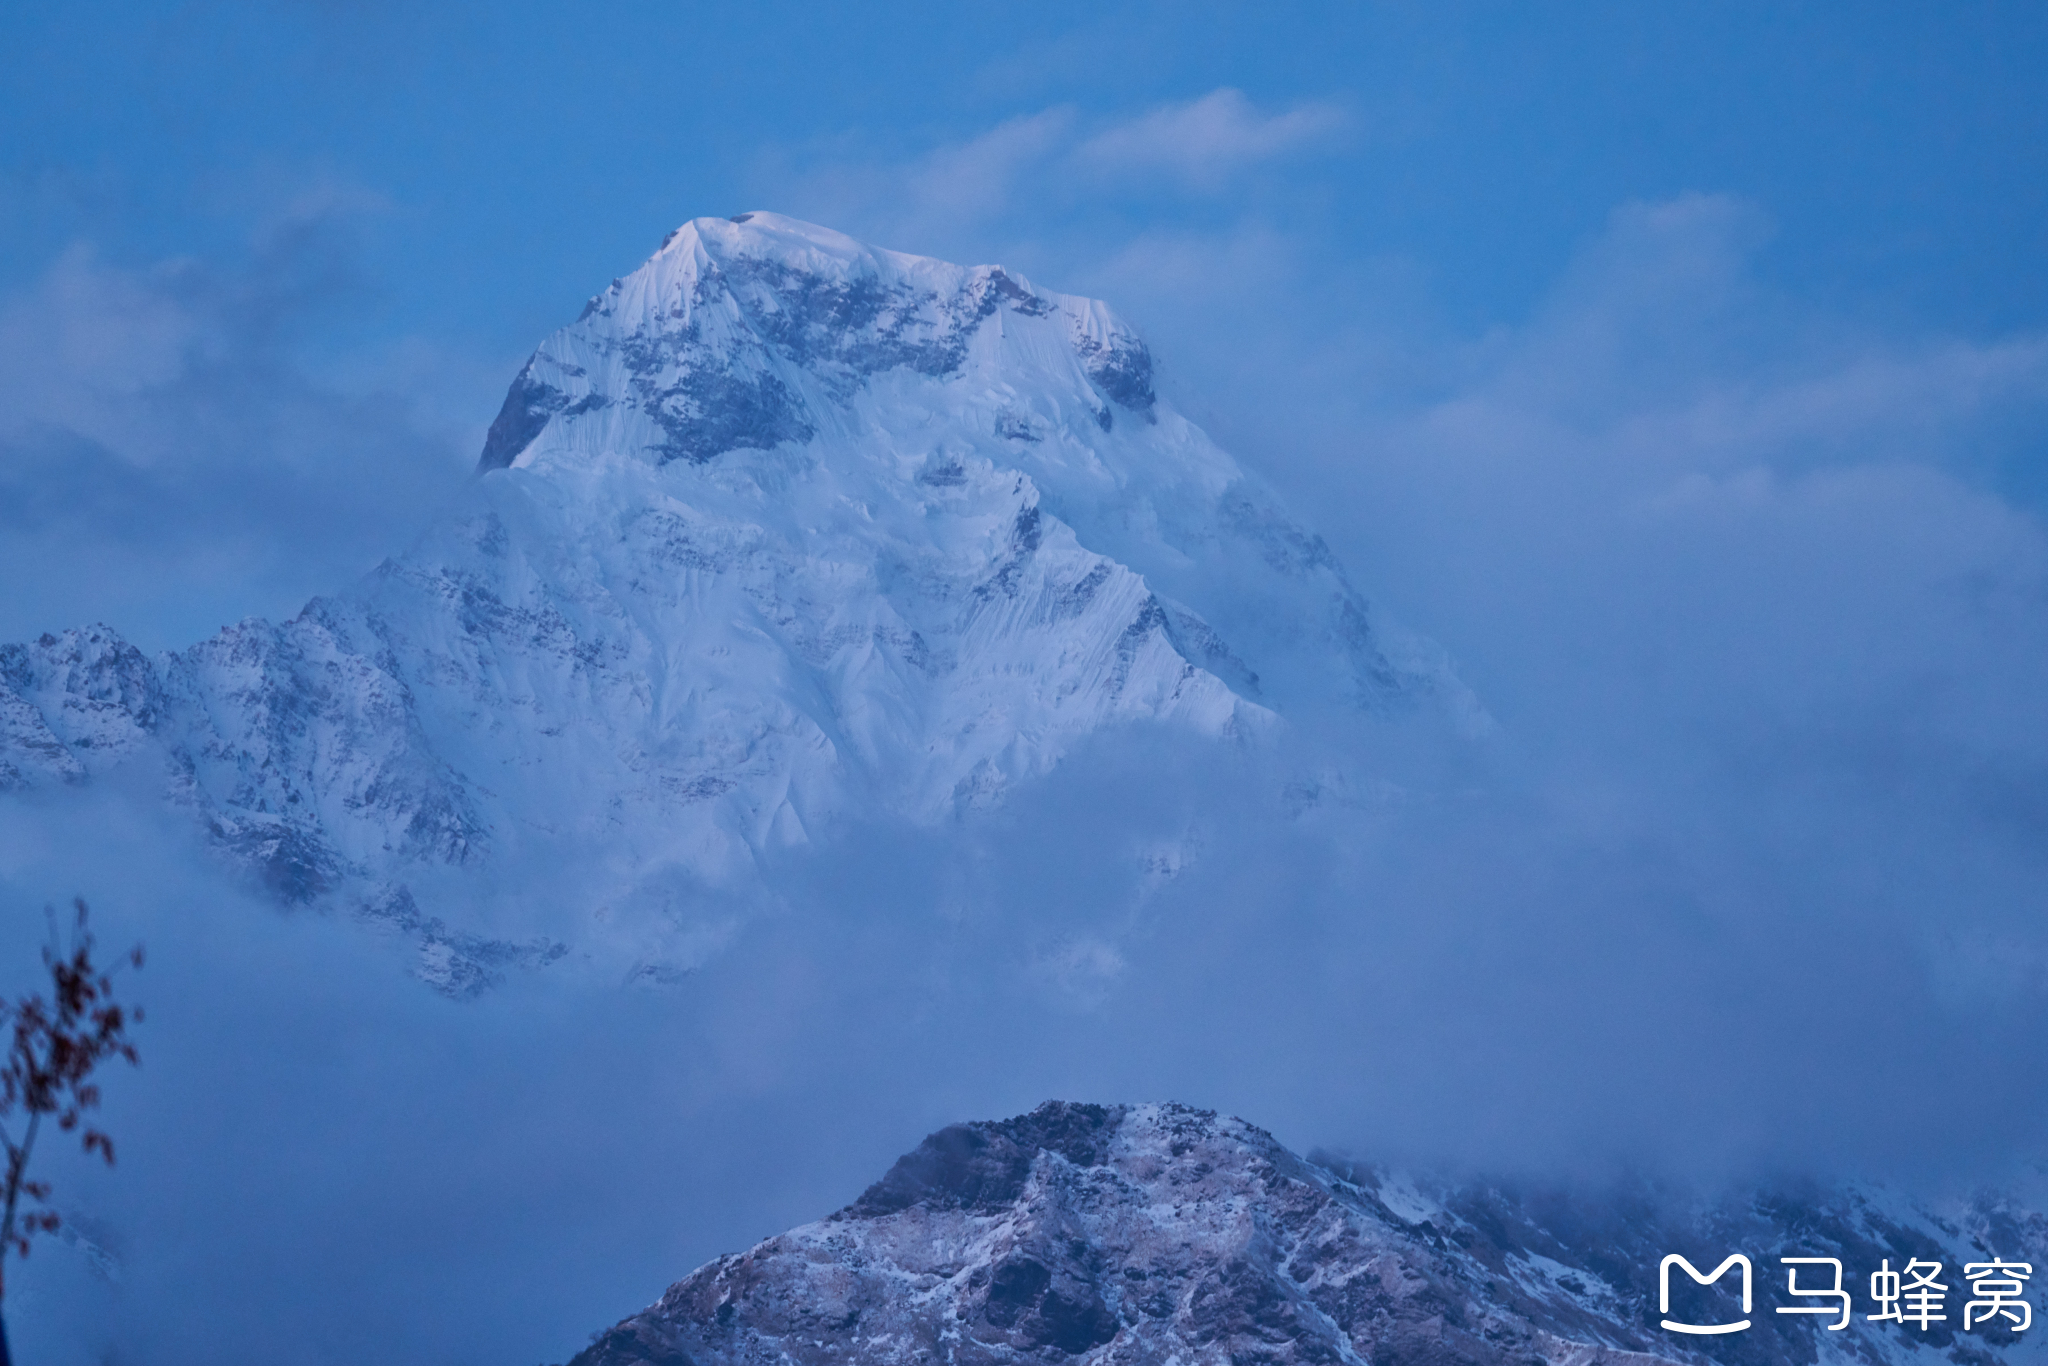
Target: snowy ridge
[(782, 527), (1158, 1234)]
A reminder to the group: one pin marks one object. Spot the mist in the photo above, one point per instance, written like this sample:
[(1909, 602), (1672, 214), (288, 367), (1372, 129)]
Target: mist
[(1748, 880), (321, 1160), (184, 443)]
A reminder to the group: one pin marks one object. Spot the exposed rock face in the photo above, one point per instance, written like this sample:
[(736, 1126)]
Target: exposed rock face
[(1159, 1234), (783, 527), (64, 700)]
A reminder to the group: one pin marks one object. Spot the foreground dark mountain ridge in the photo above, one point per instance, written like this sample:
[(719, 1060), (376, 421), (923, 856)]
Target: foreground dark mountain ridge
[(1163, 1234)]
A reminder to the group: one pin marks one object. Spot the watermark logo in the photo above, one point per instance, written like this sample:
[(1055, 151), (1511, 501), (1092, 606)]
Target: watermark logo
[(1664, 1292), (1913, 1296)]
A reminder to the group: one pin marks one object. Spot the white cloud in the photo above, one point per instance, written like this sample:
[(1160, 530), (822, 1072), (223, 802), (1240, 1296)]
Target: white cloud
[(86, 338), (1203, 143), (978, 178), (1037, 167), (168, 465)]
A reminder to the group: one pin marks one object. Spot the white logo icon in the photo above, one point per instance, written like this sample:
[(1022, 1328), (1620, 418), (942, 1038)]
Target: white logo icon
[(1664, 1292)]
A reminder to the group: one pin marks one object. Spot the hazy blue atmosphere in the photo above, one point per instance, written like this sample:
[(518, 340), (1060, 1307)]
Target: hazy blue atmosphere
[(1682, 370)]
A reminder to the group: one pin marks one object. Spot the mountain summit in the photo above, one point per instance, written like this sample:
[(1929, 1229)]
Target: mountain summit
[(782, 528), (1159, 1234)]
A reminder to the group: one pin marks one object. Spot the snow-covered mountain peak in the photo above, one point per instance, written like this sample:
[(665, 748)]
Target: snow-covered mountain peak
[(782, 528), (829, 390), (753, 332)]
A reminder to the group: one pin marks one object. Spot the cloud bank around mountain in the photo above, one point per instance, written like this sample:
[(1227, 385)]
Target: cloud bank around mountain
[(1749, 880), (179, 449)]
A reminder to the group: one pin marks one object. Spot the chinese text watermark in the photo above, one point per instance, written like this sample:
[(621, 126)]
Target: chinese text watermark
[(1914, 1296)]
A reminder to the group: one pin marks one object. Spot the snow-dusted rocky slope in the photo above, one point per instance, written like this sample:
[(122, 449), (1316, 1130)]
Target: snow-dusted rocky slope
[(783, 527), (1165, 1236)]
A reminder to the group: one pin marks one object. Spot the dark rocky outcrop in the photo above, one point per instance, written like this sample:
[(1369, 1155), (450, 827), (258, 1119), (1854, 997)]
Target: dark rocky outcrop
[(1160, 1234)]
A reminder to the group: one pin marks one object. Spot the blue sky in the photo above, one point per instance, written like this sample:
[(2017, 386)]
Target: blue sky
[(504, 157), (291, 254), (1683, 369)]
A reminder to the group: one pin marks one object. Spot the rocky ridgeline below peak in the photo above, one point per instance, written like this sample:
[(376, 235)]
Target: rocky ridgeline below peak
[(65, 699), (783, 528), (1158, 1234)]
